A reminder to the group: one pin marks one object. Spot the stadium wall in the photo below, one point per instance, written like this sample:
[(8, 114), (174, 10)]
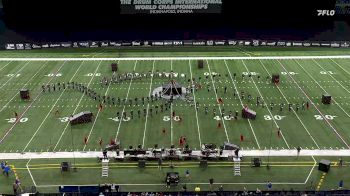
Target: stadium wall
[(175, 43)]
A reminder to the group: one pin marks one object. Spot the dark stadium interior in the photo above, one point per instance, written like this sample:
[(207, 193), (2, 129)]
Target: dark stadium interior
[(58, 20)]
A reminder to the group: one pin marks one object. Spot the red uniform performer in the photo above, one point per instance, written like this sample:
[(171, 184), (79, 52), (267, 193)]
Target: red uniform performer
[(242, 138), (100, 142), (112, 142), (219, 125), (85, 140), (16, 116), (101, 107), (307, 105), (173, 113), (181, 141), (220, 101), (279, 132), (163, 130)]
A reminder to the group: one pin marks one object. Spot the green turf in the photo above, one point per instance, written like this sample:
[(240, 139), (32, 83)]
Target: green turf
[(41, 130), (285, 173)]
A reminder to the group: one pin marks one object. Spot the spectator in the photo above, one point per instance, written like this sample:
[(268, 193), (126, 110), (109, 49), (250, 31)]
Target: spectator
[(269, 185), (340, 162), (17, 182), (340, 184), (211, 182), (7, 170), (298, 150), (168, 182), (2, 165), (160, 163), (258, 191), (197, 189), (15, 188), (104, 152), (188, 174), (184, 188)]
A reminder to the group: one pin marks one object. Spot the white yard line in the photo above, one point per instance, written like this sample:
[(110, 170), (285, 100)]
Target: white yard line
[(262, 97), (331, 76), (126, 98), (77, 106), (319, 111), (195, 103), (98, 113), (179, 58), (15, 74), (217, 98), (171, 111), (29, 106), (322, 87), (240, 100), (149, 94), (5, 65), (3, 107), (278, 88), (47, 115), (340, 66)]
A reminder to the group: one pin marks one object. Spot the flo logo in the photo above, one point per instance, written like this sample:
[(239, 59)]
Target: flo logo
[(325, 12)]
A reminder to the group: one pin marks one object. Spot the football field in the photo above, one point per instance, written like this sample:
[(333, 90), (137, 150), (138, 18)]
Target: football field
[(284, 105), (290, 114)]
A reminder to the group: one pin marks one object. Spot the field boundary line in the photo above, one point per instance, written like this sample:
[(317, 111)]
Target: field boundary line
[(5, 65), (245, 153), (195, 104), (285, 98), (240, 100), (98, 113), (64, 130), (149, 94), (312, 169), (25, 65), (28, 107), (47, 115), (190, 183), (217, 98), (126, 99), (262, 97), (181, 58), (321, 87), (30, 173), (319, 111)]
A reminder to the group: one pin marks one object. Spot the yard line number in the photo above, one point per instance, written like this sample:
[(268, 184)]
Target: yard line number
[(326, 72), (117, 119), (54, 75), (328, 117), (13, 120), (93, 74), (168, 118), (13, 75), (275, 117), (225, 118), (288, 73)]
